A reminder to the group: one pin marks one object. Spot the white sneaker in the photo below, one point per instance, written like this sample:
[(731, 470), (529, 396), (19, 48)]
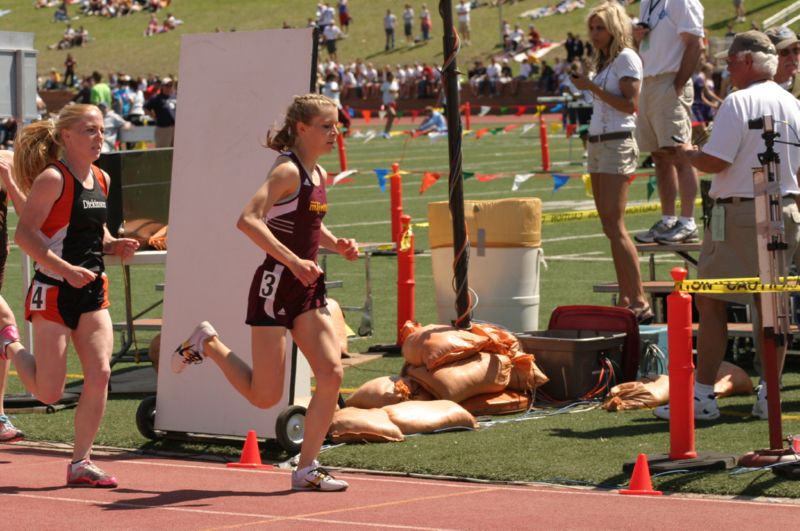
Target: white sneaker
[(704, 409), (314, 477), (760, 408), (190, 352)]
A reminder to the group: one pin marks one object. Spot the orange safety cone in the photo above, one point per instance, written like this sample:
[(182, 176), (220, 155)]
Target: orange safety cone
[(251, 456), (640, 480)]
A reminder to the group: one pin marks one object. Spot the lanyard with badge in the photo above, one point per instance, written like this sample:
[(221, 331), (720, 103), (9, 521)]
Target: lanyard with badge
[(649, 24)]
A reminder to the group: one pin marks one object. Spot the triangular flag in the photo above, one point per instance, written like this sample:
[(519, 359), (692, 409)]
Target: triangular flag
[(520, 110), (414, 114), (587, 184), (484, 110), (381, 173), (485, 178), (393, 134), (381, 114), (651, 186), (519, 179), (527, 127), (400, 113), (632, 178), (370, 135), (557, 107), (356, 133), (366, 113), (559, 180), (343, 177), (540, 109), (510, 127), (496, 130), (433, 137), (503, 109), (428, 180), (480, 132), (468, 174)]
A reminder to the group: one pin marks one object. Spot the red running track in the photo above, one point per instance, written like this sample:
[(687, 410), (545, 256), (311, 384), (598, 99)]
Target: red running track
[(160, 493)]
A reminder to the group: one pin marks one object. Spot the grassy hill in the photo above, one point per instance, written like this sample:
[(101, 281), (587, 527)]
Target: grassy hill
[(120, 45)]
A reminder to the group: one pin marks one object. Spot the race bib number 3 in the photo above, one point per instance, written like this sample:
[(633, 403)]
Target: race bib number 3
[(39, 296), (269, 282)]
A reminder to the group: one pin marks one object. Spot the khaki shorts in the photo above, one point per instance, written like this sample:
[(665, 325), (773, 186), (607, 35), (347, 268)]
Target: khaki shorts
[(618, 157), (463, 27), (737, 256), (662, 114)]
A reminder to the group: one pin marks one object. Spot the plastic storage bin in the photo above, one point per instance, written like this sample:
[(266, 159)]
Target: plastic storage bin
[(572, 358), (504, 261)]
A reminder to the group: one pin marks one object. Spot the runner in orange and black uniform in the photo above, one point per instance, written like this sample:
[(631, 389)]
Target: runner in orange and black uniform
[(73, 230), (62, 228)]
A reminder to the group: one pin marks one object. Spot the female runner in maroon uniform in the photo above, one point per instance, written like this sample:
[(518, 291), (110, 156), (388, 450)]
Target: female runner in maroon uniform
[(62, 227), (284, 218)]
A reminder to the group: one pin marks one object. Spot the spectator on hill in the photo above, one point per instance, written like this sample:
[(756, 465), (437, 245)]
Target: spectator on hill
[(153, 26), (491, 79), (100, 91), (61, 14), (462, 13), (476, 76), (516, 38), (162, 108), (706, 100), (408, 24), (170, 22), (326, 15), (122, 96), (425, 22), (344, 15), (69, 71), (547, 78), (53, 81), (330, 35), (389, 23), (534, 38), (113, 123)]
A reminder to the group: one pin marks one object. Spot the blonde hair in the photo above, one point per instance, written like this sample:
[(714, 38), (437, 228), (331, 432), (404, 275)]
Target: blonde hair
[(618, 25), (302, 109), (40, 143)]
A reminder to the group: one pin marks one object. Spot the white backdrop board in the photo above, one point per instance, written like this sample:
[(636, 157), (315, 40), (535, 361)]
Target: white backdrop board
[(232, 88)]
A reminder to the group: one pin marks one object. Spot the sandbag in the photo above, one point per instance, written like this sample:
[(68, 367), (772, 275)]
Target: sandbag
[(380, 392), (732, 380), (154, 350), (502, 403), (525, 374), (353, 424), (338, 324), (435, 345), (502, 341), (642, 393), (652, 392), (427, 416), (479, 374)]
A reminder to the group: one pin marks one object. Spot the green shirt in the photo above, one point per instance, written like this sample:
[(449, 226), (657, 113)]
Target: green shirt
[(100, 92)]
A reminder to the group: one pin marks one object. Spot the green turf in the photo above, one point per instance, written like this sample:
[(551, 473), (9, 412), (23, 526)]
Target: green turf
[(120, 45)]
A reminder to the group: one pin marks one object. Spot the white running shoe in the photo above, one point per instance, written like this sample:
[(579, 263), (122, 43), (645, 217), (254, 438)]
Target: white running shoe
[(760, 408), (190, 352), (704, 409), (314, 477)]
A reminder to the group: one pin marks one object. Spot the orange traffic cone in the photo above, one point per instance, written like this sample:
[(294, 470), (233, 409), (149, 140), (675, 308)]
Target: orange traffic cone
[(640, 480), (251, 456)]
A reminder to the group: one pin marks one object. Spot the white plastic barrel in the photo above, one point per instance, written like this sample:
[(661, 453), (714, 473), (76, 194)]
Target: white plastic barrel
[(504, 261)]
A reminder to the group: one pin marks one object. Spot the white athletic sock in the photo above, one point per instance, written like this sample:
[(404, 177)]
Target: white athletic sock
[(669, 220), (703, 391)]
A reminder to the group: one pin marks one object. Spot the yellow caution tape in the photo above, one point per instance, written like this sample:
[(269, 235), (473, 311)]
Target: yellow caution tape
[(738, 285)]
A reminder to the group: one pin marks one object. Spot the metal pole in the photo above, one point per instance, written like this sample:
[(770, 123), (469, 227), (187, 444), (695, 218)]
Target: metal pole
[(455, 179)]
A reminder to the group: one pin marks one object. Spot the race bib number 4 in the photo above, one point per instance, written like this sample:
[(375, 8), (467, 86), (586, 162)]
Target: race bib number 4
[(39, 296)]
